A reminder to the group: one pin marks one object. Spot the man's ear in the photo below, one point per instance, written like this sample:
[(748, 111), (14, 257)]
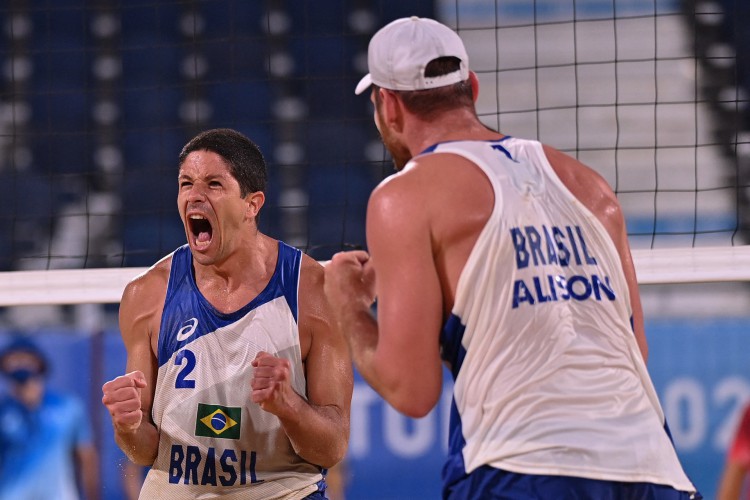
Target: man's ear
[(474, 81), (393, 110), (254, 202)]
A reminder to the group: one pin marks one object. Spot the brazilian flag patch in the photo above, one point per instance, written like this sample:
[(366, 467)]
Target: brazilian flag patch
[(218, 421)]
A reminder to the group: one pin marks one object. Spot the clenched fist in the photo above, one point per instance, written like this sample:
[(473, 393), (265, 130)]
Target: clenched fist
[(350, 279), (122, 397), (271, 384)]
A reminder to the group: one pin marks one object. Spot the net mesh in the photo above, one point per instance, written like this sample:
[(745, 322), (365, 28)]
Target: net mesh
[(98, 96), (97, 99)]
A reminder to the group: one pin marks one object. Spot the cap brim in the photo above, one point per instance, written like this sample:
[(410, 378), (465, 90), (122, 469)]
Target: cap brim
[(363, 84)]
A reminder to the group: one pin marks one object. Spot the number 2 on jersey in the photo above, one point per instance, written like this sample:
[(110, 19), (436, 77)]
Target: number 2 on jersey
[(189, 357)]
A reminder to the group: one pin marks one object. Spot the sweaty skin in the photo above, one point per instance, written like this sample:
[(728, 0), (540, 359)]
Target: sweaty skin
[(233, 262), (435, 210)]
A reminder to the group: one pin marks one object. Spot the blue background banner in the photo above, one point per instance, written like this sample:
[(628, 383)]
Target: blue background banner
[(700, 368)]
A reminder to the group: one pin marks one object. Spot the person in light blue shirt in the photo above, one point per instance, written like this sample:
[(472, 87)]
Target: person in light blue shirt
[(46, 447)]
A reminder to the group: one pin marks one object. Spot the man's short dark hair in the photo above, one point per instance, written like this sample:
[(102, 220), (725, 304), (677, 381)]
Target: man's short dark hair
[(243, 157)]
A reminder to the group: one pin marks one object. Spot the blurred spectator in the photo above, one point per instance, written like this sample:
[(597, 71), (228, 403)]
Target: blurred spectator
[(46, 445), (732, 485)]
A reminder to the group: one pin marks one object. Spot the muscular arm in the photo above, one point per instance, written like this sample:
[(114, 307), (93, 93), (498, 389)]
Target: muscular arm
[(318, 427), (140, 310), (594, 192), (399, 354)]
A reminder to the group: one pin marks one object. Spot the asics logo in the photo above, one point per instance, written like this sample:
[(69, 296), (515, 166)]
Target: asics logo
[(186, 331)]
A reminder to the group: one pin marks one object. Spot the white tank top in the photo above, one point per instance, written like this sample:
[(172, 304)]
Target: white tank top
[(548, 375), (214, 442)]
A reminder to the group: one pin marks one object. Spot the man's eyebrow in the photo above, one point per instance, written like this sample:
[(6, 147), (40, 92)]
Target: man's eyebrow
[(208, 177)]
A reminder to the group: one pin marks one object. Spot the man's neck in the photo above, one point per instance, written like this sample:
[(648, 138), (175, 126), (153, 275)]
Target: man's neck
[(454, 126), (237, 280), (251, 260)]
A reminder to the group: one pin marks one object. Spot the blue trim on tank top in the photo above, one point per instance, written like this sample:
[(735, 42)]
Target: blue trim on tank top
[(432, 148), (185, 305), (453, 352), (270, 292)]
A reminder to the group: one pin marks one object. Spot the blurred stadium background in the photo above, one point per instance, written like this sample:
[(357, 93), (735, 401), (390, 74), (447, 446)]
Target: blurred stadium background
[(97, 97)]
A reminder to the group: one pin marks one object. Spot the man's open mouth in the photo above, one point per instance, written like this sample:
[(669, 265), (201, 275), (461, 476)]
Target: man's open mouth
[(201, 230)]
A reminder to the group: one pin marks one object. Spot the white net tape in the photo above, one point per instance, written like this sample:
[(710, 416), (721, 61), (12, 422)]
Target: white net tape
[(102, 286)]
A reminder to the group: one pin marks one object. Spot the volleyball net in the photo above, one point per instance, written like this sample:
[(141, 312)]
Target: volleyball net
[(97, 99)]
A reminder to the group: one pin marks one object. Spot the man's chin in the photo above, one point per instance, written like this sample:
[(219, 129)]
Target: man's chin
[(201, 255)]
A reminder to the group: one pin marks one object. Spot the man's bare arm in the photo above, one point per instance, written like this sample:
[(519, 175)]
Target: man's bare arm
[(129, 397), (399, 355), (318, 427)]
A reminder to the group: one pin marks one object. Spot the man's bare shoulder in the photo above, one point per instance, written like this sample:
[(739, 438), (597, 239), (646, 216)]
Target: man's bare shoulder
[(406, 185), (590, 188), (141, 306), (575, 173), (315, 318), (311, 273), (427, 185), (433, 169), (149, 283)]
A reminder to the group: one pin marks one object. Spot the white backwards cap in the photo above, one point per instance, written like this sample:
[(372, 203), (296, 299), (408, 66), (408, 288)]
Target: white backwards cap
[(399, 52)]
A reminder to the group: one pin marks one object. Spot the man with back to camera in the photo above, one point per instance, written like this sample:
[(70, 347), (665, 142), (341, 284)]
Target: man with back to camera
[(235, 385), (510, 261)]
